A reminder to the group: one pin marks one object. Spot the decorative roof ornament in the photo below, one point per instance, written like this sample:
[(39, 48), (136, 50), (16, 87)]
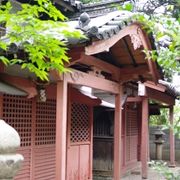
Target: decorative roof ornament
[(84, 24), (84, 21), (136, 40)]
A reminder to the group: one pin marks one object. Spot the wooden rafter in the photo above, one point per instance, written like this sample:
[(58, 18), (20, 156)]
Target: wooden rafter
[(134, 29), (118, 74), (129, 52), (93, 61), (134, 70)]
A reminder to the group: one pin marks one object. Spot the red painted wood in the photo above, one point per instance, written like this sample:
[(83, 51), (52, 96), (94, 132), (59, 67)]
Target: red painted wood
[(79, 135), (171, 138), (123, 136), (51, 91), (61, 127), (35, 122), (160, 96), (44, 166), (117, 136), (131, 133), (17, 112), (21, 83), (73, 163), (81, 78), (84, 162), (1, 106), (77, 96), (144, 137)]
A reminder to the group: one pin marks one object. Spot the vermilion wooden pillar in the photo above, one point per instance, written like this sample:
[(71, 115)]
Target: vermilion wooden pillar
[(1, 106), (144, 137), (61, 128), (171, 139), (117, 136)]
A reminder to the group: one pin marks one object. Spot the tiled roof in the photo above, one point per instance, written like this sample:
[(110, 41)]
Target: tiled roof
[(74, 3), (171, 89), (102, 7), (102, 27)]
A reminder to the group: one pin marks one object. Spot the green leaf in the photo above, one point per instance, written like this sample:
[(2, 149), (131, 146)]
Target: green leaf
[(128, 6), (4, 60)]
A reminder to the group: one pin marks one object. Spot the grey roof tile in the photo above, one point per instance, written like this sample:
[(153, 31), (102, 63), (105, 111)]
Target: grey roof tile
[(107, 25)]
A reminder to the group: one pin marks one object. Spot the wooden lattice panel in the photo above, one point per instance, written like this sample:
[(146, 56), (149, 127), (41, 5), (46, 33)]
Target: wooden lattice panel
[(80, 131), (45, 122), (17, 112)]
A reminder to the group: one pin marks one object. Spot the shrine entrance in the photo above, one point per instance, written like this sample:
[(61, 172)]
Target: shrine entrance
[(79, 135)]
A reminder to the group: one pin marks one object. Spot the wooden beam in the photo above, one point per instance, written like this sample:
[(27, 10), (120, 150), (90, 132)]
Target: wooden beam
[(144, 138), (160, 96), (134, 70), (104, 45), (134, 99), (21, 83), (152, 85), (118, 74), (104, 66), (61, 128), (147, 46), (75, 53), (117, 136), (172, 138), (81, 78)]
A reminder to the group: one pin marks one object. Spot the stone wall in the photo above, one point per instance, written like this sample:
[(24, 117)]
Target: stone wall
[(165, 146)]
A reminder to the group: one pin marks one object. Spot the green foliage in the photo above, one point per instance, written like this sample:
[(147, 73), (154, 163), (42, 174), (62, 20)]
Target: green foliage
[(166, 31), (176, 125), (162, 168), (127, 6), (162, 119), (42, 41)]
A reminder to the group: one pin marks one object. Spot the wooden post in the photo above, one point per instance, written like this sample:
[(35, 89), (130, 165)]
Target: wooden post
[(61, 128), (1, 106), (171, 139), (144, 138), (117, 136)]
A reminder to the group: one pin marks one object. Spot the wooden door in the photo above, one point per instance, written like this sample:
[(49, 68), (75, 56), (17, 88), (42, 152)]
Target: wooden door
[(79, 147), (131, 133)]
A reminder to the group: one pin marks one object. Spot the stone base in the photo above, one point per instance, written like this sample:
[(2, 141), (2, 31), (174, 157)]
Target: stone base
[(102, 178), (172, 165)]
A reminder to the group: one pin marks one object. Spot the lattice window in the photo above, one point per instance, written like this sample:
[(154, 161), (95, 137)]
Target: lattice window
[(45, 122), (80, 131), (17, 111)]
